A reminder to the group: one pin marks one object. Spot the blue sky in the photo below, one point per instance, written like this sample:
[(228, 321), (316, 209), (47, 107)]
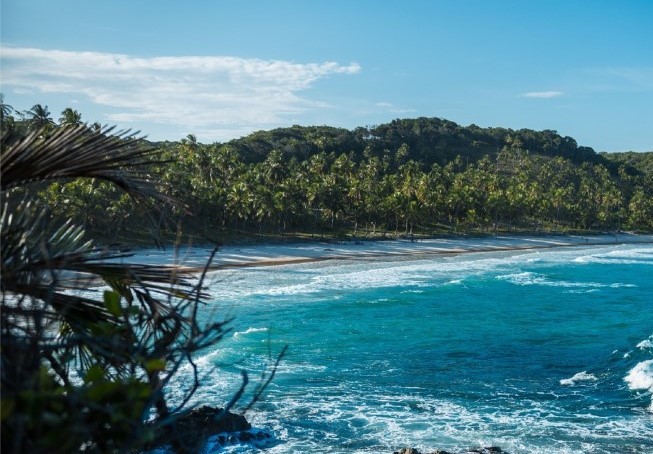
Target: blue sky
[(222, 69)]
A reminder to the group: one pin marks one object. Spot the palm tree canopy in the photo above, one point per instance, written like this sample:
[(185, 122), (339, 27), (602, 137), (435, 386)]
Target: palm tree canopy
[(5, 109), (70, 117), (39, 116)]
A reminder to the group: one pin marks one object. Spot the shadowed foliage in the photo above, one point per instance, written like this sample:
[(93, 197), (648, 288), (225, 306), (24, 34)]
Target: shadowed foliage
[(89, 340)]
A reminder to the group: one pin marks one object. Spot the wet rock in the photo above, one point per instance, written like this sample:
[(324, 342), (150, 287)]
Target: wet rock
[(208, 420), (488, 450), (186, 431), (407, 451)]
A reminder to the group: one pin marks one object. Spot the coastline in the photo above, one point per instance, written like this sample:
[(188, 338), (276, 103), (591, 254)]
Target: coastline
[(194, 258), (269, 255)]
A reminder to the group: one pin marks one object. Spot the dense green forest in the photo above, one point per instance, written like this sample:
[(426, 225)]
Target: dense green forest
[(411, 176)]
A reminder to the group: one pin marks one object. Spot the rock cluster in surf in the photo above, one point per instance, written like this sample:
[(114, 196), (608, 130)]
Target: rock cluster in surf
[(186, 431), (489, 450)]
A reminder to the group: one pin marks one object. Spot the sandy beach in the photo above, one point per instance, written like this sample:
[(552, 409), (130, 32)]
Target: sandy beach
[(275, 254)]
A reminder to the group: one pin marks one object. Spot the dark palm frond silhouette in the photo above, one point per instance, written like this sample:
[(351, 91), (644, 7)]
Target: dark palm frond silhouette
[(137, 331), (80, 152)]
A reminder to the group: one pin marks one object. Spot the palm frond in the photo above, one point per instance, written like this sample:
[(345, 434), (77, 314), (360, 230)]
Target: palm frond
[(33, 261), (77, 151), (142, 330)]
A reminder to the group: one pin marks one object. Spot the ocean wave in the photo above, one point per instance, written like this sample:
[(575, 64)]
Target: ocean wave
[(530, 278), (364, 421), (409, 271), (640, 377), (579, 377), (454, 282), (635, 256), (646, 344), (311, 278), (249, 331)]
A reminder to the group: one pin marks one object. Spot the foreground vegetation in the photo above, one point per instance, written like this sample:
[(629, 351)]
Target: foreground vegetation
[(423, 176), (89, 343)]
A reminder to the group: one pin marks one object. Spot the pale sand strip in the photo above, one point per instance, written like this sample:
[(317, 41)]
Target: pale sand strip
[(268, 255)]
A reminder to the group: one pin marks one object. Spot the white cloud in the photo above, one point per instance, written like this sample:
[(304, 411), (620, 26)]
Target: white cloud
[(542, 94), (391, 108), (220, 96)]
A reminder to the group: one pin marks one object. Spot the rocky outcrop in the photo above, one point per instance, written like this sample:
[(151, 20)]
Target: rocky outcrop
[(489, 450), (187, 432), (212, 420)]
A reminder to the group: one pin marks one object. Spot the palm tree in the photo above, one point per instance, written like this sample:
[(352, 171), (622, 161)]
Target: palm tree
[(40, 118), (70, 117), (5, 109), (6, 119), (125, 344)]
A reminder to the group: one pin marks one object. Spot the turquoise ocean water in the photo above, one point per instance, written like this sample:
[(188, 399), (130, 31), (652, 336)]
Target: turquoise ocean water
[(533, 351)]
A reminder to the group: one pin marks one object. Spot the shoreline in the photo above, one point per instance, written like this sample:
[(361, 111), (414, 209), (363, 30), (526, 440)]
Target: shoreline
[(193, 258)]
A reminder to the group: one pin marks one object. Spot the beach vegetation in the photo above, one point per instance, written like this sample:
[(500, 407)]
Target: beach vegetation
[(421, 176)]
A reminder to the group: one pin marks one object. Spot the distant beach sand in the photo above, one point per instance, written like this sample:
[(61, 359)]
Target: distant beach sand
[(195, 258)]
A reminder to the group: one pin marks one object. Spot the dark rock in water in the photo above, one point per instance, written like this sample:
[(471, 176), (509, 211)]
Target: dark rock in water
[(213, 420), (187, 432), (489, 450), (235, 437)]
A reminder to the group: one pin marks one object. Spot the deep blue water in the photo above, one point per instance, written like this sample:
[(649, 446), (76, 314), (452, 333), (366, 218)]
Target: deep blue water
[(525, 350)]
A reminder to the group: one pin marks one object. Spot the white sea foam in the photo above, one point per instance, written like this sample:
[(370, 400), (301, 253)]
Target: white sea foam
[(330, 419), (406, 271), (579, 377), (634, 256), (640, 377), (314, 278), (646, 343), (455, 282), (250, 331), (531, 278)]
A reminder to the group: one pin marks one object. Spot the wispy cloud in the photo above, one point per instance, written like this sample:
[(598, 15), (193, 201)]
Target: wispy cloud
[(618, 79), (391, 108), (542, 94), (216, 96)]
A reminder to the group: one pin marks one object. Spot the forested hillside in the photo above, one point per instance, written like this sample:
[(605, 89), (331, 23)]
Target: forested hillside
[(426, 140), (412, 176), (641, 162)]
